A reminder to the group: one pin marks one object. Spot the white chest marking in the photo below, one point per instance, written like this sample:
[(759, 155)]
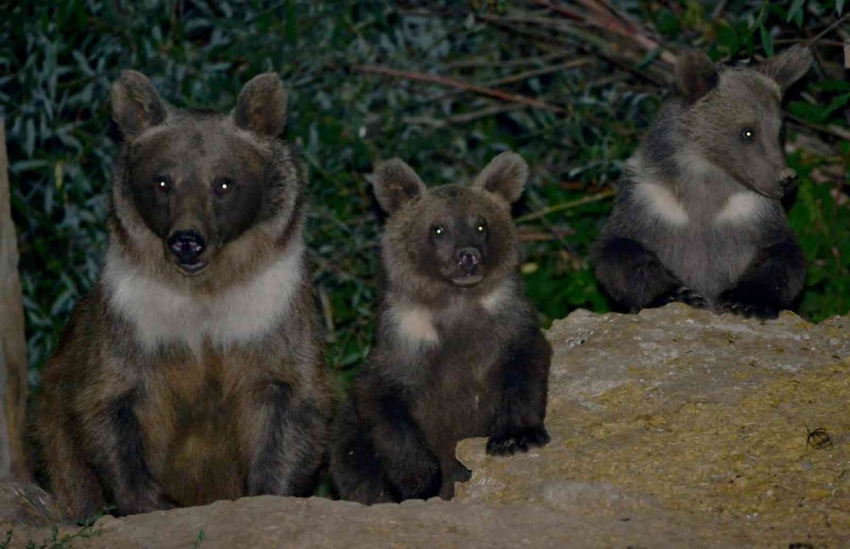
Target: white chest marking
[(163, 314), (740, 207), (662, 203), (495, 300), (415, 325)]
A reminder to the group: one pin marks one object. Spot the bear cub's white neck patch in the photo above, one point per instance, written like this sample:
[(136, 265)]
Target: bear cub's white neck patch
[(741, 207), (662, 203), (414, 324), (498, 298)]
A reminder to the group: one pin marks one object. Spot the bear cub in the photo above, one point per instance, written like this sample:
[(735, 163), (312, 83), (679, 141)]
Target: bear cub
[(698, 216), (458, 352), (194, 369)]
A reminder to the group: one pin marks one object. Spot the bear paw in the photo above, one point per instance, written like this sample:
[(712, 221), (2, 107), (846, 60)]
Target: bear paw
[(741, 303), (683, 294), (509, 443)]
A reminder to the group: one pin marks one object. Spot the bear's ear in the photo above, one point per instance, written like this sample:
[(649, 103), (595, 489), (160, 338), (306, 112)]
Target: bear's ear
[(261, 107), (136, 105), (396, 184), (696, 74), (505, 176), (787, 67)]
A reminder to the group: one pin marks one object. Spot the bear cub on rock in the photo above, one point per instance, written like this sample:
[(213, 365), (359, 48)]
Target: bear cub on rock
[(459, 352), (698, 217)]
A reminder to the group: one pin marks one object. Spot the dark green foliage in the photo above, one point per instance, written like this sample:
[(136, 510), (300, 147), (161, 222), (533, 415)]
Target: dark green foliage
[(58, 59)]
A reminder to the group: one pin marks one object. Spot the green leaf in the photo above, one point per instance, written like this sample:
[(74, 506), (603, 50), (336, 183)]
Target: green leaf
[(818, 114), (728, 39), (668, 23), (832, 85), (766, 41), (291, 23), (815, 114), (796, 10), (837, 103)]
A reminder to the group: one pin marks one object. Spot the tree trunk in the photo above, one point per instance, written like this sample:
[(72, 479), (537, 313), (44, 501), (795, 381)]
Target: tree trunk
[(13, 348)]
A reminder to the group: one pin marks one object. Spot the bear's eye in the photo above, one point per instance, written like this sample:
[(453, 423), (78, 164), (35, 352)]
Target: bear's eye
[(223, 186), (481, 228), (748, 134), (162, 183), (438, 230)]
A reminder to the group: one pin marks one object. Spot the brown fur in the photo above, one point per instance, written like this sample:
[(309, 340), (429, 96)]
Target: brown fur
[(698, 217), (169, 389), (455, 356)]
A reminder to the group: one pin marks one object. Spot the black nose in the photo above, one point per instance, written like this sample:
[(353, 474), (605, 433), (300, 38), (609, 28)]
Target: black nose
[(788, 184), (186, 245), (787, 179), (468, 258)]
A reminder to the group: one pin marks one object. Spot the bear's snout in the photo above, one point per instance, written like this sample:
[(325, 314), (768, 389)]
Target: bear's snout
[(468, 259), (787, 180), (187, 248)]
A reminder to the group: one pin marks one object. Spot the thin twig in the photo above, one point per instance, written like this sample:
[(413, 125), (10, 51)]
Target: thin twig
[(826, 30), (833, 43), (832, 129), (476, 62), (614, 23), (566, 206), (452, 83), (566, 245), (575, 63), (586, 44), (718, 10), (483, 113), (463, 118)]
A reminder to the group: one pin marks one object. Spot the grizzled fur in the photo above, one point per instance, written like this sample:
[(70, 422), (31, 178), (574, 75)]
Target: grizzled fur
[(698, 217), (458, 353), (180, 383)]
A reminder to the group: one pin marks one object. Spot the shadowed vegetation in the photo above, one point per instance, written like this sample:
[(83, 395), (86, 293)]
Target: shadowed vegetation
[(444, 85)]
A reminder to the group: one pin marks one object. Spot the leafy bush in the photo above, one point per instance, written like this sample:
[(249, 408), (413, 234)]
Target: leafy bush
[(600, 72)]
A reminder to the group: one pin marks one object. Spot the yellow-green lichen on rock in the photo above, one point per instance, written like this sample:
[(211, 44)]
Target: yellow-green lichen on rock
[(736, 424)]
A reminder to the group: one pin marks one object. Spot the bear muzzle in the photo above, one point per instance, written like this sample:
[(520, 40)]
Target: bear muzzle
[(468, 267), (187, 248)]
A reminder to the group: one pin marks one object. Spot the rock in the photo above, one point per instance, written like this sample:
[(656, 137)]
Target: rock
[(703, 419), (25, 504), (672, 428), (269, 521)]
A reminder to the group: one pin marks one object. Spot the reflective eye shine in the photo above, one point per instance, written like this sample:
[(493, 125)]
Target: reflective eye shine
[(748, 134), (223, 186), (481, 229), (439, 231), (161, 184)]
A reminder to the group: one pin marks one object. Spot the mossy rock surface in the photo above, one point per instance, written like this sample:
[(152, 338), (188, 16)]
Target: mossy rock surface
[(738, 425)]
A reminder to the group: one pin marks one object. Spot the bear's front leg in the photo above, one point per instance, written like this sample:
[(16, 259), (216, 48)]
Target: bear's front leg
[(119, 456), (635, 278), (770, 284), (518, 424), (411, 467), (284, 435)]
